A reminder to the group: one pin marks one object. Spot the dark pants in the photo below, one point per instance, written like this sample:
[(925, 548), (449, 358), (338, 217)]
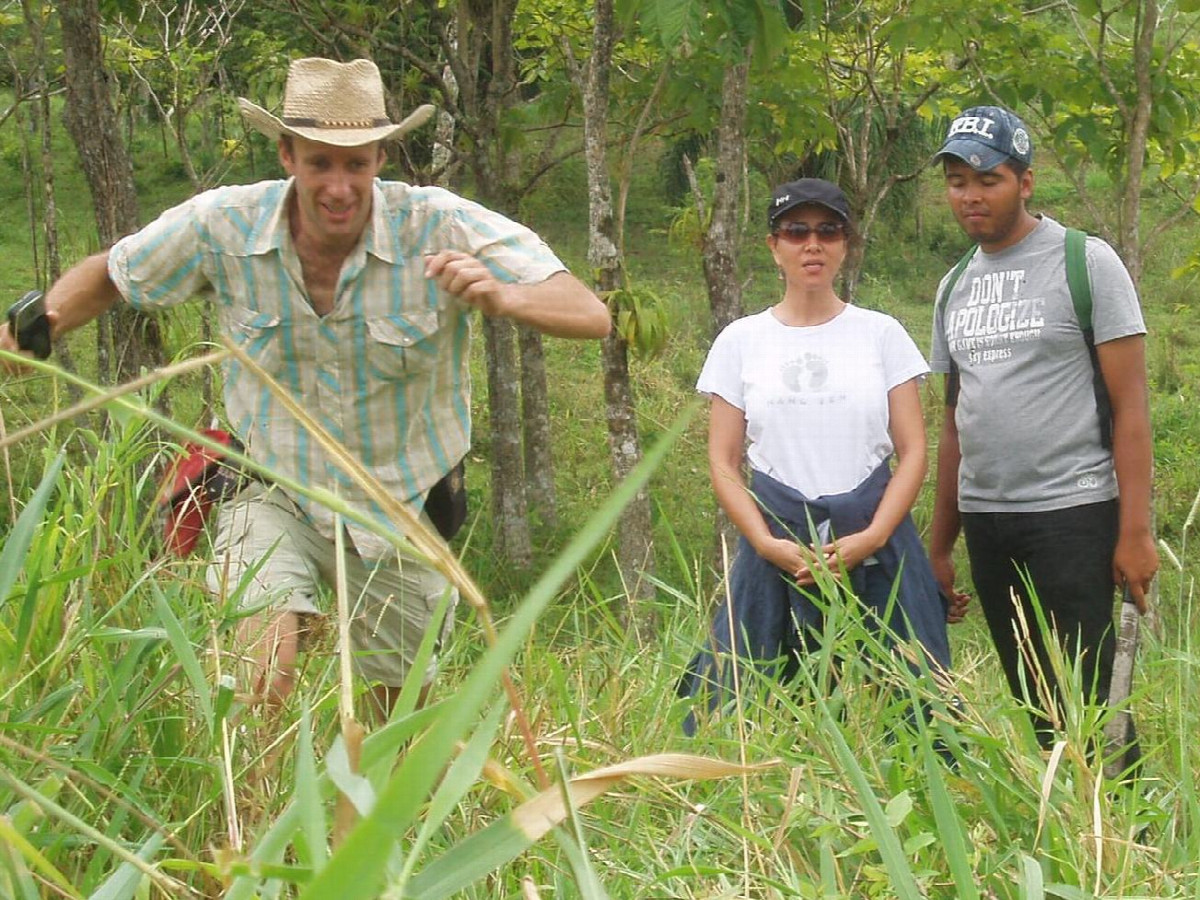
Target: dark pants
[(1066, 555)]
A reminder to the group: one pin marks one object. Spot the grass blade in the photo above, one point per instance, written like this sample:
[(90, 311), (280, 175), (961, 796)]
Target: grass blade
[(1032, 885), (184, 652), (949, 826), (462, 774), (19, 540), (308, 799), (574, 843), (54, 810), (903, 882), (125, 883), (22, 855)]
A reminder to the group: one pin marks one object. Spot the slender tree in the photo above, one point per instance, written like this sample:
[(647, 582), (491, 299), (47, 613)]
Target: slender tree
[(722, 237), (131, 341), (635, 537), (173, 52), (717, 39)]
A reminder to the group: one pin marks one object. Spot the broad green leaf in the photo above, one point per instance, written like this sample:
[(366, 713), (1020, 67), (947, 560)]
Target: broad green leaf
[(898, 808), (185, 653), (126, 882), (1032, 883), (19, 539), (919, 842)]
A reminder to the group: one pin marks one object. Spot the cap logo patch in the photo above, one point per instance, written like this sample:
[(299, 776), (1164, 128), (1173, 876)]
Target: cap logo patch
[(977, 125), (1020, 141), (779, 201)]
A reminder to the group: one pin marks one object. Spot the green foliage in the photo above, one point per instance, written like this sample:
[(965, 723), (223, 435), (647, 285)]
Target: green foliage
[(641, 320), (1072, 70)]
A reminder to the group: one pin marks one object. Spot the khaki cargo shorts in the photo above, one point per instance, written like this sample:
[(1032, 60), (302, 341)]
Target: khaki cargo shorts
[(267, 553)]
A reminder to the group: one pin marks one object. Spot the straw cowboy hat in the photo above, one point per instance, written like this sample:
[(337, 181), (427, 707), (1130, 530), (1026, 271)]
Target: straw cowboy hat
[(334, 103)]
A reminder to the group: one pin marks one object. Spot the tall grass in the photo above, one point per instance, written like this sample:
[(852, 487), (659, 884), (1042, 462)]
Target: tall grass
[(128, 767)]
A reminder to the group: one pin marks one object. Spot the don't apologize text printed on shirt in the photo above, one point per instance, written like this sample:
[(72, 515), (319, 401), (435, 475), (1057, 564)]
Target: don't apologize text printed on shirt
[(996, 316)]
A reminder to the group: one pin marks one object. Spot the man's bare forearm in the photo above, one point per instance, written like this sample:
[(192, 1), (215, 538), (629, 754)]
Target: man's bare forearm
[(83, 293)]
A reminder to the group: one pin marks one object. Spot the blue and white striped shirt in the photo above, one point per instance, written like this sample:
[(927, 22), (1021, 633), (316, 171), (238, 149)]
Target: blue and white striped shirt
[(385, 372)]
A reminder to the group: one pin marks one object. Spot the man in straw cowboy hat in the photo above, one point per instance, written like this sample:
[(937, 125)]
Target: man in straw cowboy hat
[(354, 294)]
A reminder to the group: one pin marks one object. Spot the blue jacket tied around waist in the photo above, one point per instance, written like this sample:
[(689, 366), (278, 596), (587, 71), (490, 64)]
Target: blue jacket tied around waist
[(767, 606)]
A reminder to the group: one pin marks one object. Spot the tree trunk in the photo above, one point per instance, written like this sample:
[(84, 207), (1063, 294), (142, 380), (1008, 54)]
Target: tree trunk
[(483, 62), (1129, 239), (722, 240), (49, 215), (509, 507), (635, 535), (47, 218), (535, 407), (93, 125), (443, 141)]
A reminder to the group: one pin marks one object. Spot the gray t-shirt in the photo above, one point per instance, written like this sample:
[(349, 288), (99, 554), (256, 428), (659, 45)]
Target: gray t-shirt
[(1027, 421)]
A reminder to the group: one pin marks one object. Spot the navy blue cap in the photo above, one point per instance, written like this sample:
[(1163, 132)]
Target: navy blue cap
[(985, 136), (807, 190)]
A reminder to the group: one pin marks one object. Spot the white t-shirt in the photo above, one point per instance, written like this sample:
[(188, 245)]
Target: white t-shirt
[(815, 397)]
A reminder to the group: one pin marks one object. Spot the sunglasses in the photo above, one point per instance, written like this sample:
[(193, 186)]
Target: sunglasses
[(798, 232)]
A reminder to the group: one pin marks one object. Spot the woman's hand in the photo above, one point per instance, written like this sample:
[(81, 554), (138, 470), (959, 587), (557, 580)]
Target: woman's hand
[(849, 552), (783, 553), (845, 553)]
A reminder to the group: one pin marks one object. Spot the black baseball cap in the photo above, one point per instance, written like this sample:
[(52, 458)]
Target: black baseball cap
[(807, 190), (985, 136)]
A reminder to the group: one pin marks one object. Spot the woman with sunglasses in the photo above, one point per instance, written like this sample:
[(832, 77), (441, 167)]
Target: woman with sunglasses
[(817, 395)]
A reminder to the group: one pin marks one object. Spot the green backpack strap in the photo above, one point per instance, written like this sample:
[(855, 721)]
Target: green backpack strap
[(1079, 282), (955, 274)]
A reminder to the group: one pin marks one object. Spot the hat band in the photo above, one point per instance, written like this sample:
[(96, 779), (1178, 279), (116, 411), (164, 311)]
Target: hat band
[(297, 122)]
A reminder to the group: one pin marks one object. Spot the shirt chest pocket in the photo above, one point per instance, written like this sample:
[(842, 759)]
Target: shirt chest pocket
[(260, 336), (402, 347)]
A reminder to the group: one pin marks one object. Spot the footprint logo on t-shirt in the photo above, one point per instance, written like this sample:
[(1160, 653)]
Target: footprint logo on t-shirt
[(806, 373)]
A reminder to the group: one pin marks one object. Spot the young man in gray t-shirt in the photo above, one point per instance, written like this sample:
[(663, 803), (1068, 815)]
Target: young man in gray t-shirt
[(1023, 469)]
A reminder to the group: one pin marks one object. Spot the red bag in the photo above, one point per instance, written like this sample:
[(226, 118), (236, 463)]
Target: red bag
[(196, 479)]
